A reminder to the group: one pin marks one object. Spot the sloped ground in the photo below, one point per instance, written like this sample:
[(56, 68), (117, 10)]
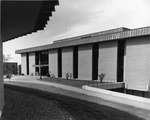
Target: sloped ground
[(29, 104), (71, 82)]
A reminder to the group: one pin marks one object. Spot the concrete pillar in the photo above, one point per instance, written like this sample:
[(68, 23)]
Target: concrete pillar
[(53, 65), (31, 63), (108, 60), (67, 61), (1, 71), (137, 63), (24, 63), (85, 62), (40, 65)]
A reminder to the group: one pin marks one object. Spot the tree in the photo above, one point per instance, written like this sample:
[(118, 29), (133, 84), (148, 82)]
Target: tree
[(101, 77), (6, 58), (6, 68)]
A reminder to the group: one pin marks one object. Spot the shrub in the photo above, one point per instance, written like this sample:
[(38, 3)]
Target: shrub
[(68, 75), (101, 77)]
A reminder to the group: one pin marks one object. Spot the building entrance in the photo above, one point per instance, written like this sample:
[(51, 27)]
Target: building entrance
[(44, 70)]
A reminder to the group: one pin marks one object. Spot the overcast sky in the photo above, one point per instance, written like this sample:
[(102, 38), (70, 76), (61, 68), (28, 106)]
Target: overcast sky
[(78, 17)]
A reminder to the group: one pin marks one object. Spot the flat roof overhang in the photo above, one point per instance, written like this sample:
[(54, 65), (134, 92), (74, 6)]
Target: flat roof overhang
[(21, 17), (119, 34)]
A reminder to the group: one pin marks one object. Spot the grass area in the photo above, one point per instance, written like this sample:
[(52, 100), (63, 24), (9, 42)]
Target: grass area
[(25, 106), (29, 104)]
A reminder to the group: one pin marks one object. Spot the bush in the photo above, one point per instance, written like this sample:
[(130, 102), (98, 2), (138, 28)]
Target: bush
[(101, 77), (68, 75)]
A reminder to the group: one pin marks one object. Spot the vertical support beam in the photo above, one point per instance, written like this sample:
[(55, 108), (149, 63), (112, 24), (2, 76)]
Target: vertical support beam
[(120, 61), (95, 55), (59, 62), (75, 62), (40, 65), (27, 60), (1, 70)]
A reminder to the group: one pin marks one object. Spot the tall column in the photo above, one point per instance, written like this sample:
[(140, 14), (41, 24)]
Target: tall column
[(40, 65), (1, 70)]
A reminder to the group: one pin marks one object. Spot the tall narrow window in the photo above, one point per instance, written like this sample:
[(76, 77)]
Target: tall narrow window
[(59, 62), (44, 57), (75, 62), (120, 61), (95, 54), (27, 63), (37, 58), (36, 70)]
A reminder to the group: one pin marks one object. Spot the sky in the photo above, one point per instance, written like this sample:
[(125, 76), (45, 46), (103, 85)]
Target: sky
[(79, 17)]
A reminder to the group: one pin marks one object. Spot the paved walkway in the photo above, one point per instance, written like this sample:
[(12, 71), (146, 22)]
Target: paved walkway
[(32, 82), (71, 82)]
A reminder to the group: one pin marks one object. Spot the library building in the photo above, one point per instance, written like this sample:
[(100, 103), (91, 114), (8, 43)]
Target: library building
[(122, 54)]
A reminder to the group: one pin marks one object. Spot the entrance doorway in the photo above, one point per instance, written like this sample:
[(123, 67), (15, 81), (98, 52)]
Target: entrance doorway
[(44, 70)]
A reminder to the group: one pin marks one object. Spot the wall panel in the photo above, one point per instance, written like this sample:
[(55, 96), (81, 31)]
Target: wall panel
[(31, 63), (85, 62), (108, 60), (137, 71), (23, 64), (67, 61), (53, 62)]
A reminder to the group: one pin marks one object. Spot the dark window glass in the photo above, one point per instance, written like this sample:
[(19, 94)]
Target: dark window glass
[(44, 57), (95, 55), (44, 70), (37, 58), (36, 71), (75, 62), (120, 61), (59, 62), (27, 63)]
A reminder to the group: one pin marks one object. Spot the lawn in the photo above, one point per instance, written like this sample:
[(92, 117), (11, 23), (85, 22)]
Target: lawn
[(30, 104)]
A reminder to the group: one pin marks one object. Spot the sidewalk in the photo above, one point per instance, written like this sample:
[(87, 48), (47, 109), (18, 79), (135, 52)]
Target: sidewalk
[(32, 82), (71, 82)]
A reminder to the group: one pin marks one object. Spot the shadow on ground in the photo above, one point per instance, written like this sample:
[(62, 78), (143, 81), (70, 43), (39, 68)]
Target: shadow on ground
[(30, 104)]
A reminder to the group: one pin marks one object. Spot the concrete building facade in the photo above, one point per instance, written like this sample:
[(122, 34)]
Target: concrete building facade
[(53, 67), (67, 61), (108, 60), (85, 62), (122, 54), (24, 63)]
